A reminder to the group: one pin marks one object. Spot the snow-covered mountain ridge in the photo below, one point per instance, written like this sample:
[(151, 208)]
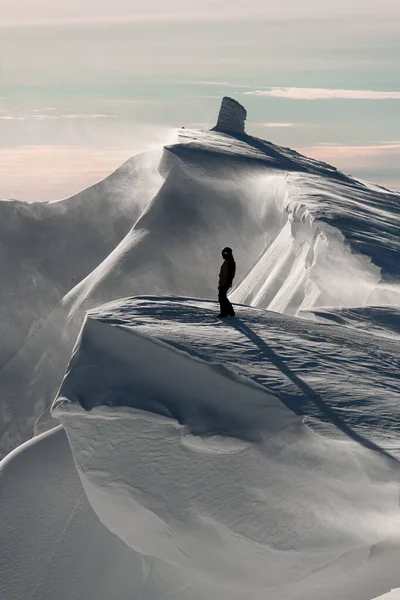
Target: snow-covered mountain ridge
[(235, 459), (305, 237), (329, 223)]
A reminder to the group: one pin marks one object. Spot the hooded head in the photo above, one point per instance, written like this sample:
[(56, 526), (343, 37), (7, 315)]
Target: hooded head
[(227, 253)]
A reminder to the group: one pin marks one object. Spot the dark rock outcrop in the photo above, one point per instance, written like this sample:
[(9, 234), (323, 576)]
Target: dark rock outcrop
[(232, 116)]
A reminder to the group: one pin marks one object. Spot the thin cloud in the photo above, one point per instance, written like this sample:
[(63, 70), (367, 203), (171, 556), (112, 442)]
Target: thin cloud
[(88, 116), (44, 12), (137, 101), (40, 117), (276, 124), (89, 20), (45, 117), (351, 150), (295, 93), (220, 83), (208, 97), (159, 17)]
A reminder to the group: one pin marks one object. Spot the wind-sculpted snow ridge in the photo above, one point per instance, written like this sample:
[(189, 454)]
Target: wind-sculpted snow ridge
[(305, 237), (304, 234), (330, 240), (184, 433), (48, 247), (381, 320)]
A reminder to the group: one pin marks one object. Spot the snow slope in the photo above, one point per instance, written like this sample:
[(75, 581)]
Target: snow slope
[(48, 247), (304, 236), (381, 320), (52, 544), (187, 452)]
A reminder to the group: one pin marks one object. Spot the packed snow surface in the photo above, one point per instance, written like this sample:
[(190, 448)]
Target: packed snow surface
[(182, 433), (381, 320)]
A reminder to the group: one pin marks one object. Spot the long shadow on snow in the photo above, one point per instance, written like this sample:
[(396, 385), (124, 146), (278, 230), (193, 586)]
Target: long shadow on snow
[(309, 394)]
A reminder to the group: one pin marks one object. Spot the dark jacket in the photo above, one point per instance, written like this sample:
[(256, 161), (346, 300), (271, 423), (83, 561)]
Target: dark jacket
[(227, 272)]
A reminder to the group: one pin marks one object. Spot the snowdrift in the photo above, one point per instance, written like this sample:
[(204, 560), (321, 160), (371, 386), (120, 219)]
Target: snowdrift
[(381, 320), (188, 454), (52, 544)]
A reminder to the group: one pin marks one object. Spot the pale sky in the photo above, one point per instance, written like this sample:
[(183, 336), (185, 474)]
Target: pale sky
[(85, 84)]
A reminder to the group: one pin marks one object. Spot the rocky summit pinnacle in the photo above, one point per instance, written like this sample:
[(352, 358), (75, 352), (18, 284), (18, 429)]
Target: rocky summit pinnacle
[(232, 116)]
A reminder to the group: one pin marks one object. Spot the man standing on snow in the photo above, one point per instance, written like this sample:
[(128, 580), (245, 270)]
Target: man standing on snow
[(226, 275)]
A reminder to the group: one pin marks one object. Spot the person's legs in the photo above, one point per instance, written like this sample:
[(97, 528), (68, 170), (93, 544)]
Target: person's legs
[(229, 308), (226, 306), (223, 300)]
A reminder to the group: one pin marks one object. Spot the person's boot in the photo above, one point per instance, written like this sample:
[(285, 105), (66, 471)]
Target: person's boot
[(222, 316)]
